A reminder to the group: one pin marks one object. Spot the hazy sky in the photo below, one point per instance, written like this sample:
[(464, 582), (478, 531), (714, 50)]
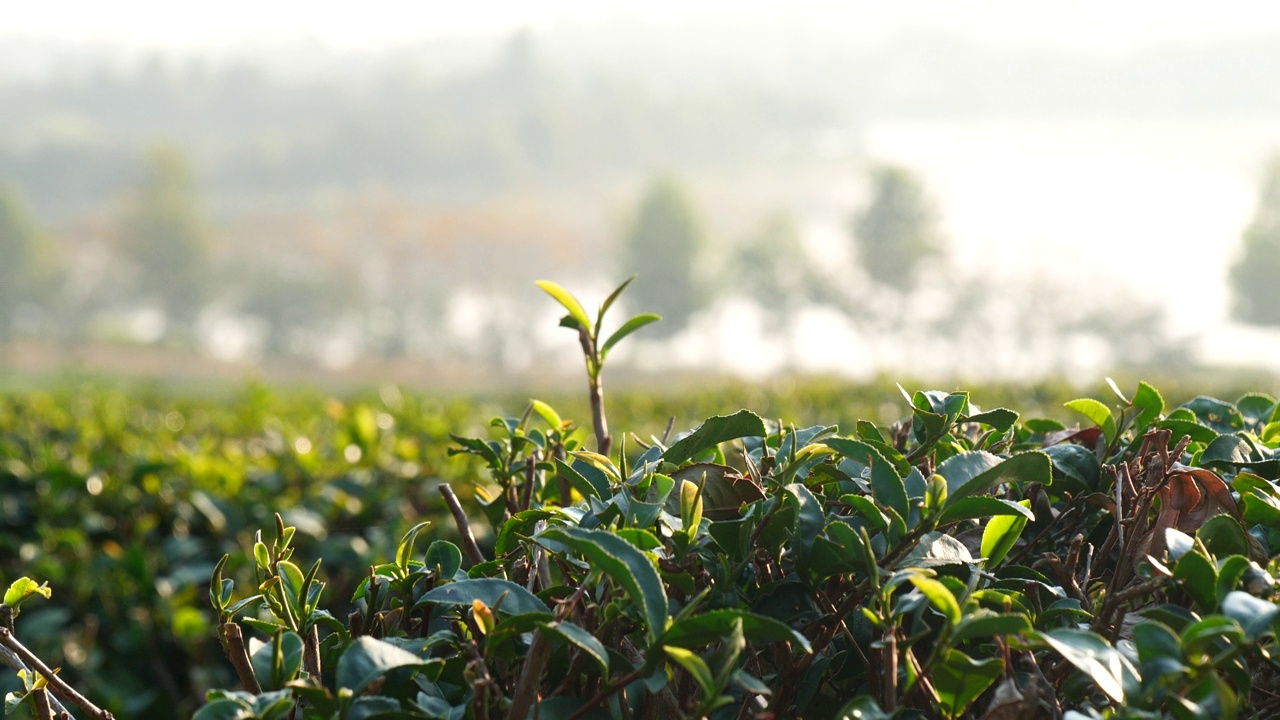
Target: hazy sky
[(1103, 25)]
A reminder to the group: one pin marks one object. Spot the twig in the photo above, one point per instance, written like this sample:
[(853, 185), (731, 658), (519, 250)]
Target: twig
[(464, 526), (239, 657), (57, 684), (41, 698), (604, 441), (526, 692), (890, 655), (12, 660), (530, 475), (604, 694), (311, 652)]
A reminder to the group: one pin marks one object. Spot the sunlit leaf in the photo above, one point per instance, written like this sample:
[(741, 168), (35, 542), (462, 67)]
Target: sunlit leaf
[(1000, 535), (625, 564), (1092, 655), (714, 431), (959, 680), (367, 659), (568, 301), (1097, 413), (501, 595)]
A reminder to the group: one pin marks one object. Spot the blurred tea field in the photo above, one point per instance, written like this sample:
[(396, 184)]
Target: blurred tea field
[(123, 495)]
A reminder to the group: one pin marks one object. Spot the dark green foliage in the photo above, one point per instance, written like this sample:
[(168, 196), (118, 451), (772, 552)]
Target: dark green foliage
[(760, 534), (958, 564)]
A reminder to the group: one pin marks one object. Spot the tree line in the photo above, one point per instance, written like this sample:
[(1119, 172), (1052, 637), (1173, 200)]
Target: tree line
[(390, 291)]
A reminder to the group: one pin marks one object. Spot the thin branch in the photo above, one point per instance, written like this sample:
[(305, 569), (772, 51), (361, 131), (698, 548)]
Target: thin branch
[(526, 692), (43, 710), (239, 657), (604, 441), (464, 526), (57, 684), (311, 652)]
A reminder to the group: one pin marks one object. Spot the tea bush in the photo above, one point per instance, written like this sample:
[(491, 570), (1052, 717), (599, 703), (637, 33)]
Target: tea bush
[(960, 562)]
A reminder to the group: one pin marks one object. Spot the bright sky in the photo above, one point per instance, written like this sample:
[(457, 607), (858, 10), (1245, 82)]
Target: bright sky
[(1094, 24)]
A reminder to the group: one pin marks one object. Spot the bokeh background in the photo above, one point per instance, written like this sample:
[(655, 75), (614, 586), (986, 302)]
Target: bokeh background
[(989, 190)]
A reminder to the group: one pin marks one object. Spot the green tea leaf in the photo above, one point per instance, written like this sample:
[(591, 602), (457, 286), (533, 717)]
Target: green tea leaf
[(367, 659), (625, 564), (586, 478), (290, 661), (982, 506), (1199, 579), (985, 623), (1221, 417), (939, 596), (583, 640), (999, 418), (221, 709), (868, 510), (1222, 535), (500, 595), (516, 528), (699, 631), (976, 472), (695, 666), (714, 431), (1257, 409), (446, 556), (1151, 403), (1255, 615), (404, 551), (568, 301), (886, 485), (24, 588), (690, 507), (959, 680), (936, 549), (999, 536), (1097, 413), (1092, 655), (1075, 462), (810, 518), (548, 414), (863, 707), (1156, 641), (627, 328), (1231, 449)]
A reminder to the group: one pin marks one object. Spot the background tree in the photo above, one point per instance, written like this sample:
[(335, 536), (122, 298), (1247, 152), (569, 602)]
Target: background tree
[(898, 229), (663, 247), (165, 237), (26, 266), (772, 270), (1253, 277)]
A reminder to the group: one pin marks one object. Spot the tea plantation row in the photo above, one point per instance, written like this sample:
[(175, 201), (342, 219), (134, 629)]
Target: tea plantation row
[(123, 501)]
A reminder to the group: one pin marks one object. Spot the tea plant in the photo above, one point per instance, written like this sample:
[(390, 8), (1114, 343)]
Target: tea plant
[(959, 563)]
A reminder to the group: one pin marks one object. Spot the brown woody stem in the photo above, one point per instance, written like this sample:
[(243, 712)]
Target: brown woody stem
[(55, 683), (238, 654), (464, 526)]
